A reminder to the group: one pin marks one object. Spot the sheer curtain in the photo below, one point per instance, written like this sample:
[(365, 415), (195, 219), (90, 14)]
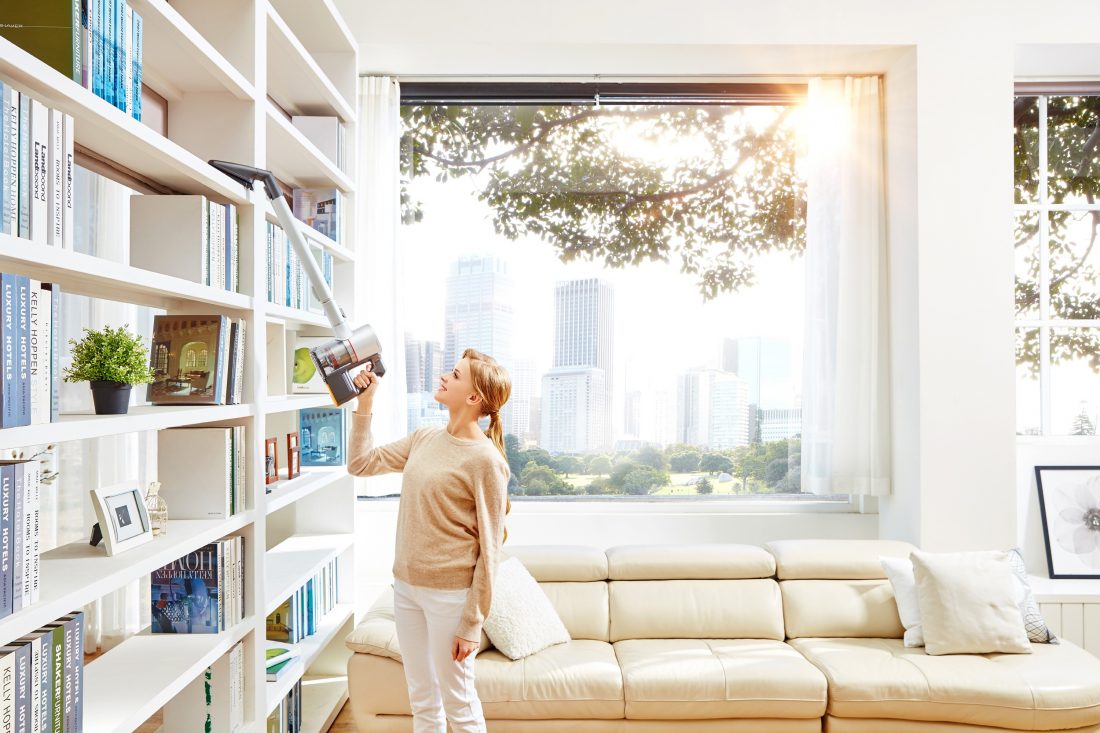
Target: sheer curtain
[(846, 382), (379, 302)]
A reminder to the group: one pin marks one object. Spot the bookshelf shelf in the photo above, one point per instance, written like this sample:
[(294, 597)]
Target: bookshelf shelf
[(90, 275), (114, 135), (295, 318), (338, 252), (288, 491), (294, 159), (125, 686), (177, 59), (322, 698), (76, 574), (78, 426), (287, 403), (308, 651), (318, 26), (295, 560), (294, 79)]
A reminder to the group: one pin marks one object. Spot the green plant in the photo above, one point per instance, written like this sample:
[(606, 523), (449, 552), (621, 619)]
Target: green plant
[(109, 355)]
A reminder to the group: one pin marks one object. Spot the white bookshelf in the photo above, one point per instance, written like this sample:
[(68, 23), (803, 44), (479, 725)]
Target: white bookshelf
[(229, 74)]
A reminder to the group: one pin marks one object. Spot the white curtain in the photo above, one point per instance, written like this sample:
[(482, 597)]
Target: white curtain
[(846, 370), (379, 299)]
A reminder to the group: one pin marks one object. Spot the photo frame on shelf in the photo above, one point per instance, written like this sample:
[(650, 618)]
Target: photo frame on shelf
[(122, 516), (293, 456), (271, 460), (1069, 504)]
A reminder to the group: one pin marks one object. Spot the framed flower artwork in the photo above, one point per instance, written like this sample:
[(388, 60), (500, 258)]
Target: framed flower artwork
[(1069, 502)]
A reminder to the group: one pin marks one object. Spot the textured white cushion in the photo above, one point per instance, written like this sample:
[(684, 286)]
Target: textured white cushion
[(900, 572), (968, 603), (521, 618)]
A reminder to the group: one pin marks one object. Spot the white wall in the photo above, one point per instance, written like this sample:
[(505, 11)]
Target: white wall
[(949, 69)]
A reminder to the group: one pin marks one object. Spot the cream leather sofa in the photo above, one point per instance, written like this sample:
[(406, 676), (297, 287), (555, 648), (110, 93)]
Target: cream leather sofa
[(793, 637)]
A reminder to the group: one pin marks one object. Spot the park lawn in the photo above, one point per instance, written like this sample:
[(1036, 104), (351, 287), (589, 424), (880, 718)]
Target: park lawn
[(675, 488)]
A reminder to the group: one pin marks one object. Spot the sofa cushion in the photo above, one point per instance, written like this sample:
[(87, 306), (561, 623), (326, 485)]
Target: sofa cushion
[(578, 679), (698, 561), (549, 563), (696, 609), (1057, 686), (582, 607), (718, 678), (844, 608), (834, 559)]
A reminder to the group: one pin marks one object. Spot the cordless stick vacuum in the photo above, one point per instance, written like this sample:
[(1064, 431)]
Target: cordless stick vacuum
[(338, 359)]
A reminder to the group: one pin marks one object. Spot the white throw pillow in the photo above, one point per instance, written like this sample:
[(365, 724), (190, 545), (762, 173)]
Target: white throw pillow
[(1034, 624), (521, 618), (968, 603), (900, 572)]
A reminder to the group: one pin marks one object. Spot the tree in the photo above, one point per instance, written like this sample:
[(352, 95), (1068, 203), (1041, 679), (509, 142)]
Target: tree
[(705, 486), (641, 480), (684, 462), (538, 478), (1082, 424), (649, 455), (566, 464), (715, 463), (775, 471), (599, 464), (560, 173)]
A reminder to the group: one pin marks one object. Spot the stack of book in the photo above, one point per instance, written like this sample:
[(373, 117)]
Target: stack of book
[(20, 505), (202, 471), (299, 615), (30, 346), (326, 133), (321, 432), (287, 718), (43, 674), (36, 187), (197, 360), (287, 283), (320, 209), (96, 43), (213, 702), (202, 592), (186, 236), (279, 658)]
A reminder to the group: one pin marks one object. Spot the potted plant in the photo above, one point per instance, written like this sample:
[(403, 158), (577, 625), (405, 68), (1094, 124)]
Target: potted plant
[(112, 360)]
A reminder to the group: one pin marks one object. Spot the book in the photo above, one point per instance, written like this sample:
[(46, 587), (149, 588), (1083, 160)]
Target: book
[(57, 677), (22, 349), (135, 111), (280, 623), (24, 166), (188, 357), (68, 143), (185, 594), (321, 434), (55, 348), (19, 537), (7, 527), (109, 16), (48, 30), (55, 168), (41, 339), (10, 108), (319, 208), (126, 78), (8, 336), (97, 18), (40, 140), (304, 376), (195, 470)]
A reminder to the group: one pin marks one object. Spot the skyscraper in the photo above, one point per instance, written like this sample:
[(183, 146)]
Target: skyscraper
[(765, 364), (632, 413), (713, 409), (523, 391), (583, 333), (423, 364), (479, 311)]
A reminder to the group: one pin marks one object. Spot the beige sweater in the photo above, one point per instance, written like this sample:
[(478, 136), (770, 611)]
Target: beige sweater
[(450, 520)]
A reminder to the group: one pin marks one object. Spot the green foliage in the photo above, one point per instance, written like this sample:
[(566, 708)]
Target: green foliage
[(715, 463), (598, 464), (649, 455), (704, 486), (540, 480), (640, 480), (566, 464), (562, 173), (684, 462), (109, 355)]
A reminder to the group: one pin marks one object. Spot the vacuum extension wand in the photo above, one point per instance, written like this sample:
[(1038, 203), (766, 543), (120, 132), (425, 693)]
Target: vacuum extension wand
[(337, 359)]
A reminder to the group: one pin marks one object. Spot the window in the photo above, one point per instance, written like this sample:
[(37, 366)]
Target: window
[(632, 254), (1057, 177)]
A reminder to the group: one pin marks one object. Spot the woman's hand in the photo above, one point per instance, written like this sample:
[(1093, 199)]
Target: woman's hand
[(462, 648), (367, 382)]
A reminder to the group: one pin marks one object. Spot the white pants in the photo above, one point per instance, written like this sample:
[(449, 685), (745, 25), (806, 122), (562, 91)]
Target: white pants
[(440, 689)]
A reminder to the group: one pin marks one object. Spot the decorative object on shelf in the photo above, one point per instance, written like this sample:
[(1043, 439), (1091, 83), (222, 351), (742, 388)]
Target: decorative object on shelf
[(1069, 503), (271, 460), (157, 508), (322, 431), (293, 456), (112, 360), (123, 521)]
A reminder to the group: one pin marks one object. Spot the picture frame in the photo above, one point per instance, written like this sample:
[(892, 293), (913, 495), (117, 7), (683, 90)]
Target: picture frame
[(122, 516), (293, 455), (1069, 504), (271, 460)]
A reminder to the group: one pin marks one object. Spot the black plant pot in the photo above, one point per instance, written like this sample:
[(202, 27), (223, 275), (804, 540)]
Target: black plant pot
[(110, 398)]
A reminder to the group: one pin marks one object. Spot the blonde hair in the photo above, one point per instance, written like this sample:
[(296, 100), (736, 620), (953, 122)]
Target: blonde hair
[(494, 386)]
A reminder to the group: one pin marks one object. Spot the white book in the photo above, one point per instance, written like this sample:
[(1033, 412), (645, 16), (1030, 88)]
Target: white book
[(238, 382), (223, 598), (168, 234), (11, 161), (236, 717), (39, 307), (7, 692), (56, 168), (40, 141), (30, 488), (68, 144), (324, 132), (193, 467), (217, 246)]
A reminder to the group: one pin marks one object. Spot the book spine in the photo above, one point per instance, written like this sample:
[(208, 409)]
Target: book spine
[(97, 18), (22, 688), (34, 644), (69, 642), (37, 353), (242, 351), (78, 43), (227, 253), (45, 680), (78, 671), (270, 262), (55, 350), (7, 333), (57, 677), (229, 455), (223, 590), (231, 371), (7, 692), (235, 232), (109, 51), (19, 538), (56, 168), (128, 62), (120, 51), (205, 242), (9, 157), (7, 526), (222, 361), (136, 112), (40, 140), (23, 353), (25, 160), (68, 151), (33, 475), (85, 45)]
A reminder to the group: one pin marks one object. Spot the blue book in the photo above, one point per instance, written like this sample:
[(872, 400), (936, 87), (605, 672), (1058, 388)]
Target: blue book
[(25, 143), (322, 434), (121, 57), (109, 51), (11, 160), (95, 29), (55, 348), (8, 335), (7, 527), (23, 349), (185, 594), (136, 111), (18, 538)]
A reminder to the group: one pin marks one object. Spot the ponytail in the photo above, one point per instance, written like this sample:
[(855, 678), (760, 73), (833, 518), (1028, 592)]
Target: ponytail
[(495, 433), (494, 385)]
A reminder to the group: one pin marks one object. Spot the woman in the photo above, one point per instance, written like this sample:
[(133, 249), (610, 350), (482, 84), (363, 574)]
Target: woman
[(450, 527)]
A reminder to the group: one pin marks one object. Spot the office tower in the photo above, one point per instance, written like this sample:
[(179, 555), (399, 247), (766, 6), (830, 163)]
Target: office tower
[(712, 409), (765, 363), (574, 410), (632, 414), (523, 391), (423, 365), (479, 311)]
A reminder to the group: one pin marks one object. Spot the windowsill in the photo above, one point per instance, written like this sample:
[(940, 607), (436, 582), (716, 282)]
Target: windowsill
[(646, 505)]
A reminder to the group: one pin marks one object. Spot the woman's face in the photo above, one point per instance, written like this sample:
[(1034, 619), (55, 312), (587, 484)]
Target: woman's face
[(456, 387)]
